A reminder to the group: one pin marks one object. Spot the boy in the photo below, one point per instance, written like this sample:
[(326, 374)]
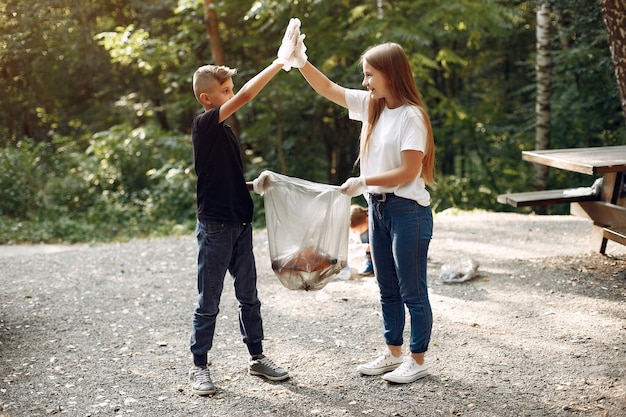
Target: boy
[(224, 215), (359, 224)]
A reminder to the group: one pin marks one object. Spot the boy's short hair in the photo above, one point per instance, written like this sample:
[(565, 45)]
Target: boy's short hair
[(205, 74)]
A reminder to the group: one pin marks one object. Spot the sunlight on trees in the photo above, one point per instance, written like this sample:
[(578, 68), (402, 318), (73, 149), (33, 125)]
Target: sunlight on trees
[(73, 75)]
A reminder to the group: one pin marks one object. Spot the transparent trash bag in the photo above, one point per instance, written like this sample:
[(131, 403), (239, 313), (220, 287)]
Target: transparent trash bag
[(308, 230), (458, 272)]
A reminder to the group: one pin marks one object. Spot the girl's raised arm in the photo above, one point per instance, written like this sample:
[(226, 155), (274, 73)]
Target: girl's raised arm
[(323, 86)]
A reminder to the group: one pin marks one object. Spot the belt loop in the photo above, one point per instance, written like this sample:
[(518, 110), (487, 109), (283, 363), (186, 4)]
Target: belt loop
[(381, 198)]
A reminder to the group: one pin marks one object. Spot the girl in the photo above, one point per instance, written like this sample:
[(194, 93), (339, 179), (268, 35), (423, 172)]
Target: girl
[(397, 159)]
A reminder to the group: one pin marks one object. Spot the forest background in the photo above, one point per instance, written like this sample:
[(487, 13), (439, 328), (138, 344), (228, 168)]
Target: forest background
[(97, 102)]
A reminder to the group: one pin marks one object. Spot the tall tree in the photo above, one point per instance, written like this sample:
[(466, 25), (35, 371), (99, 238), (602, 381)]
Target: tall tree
[(544, 89), (614, 12), (217, 52), (212, 25)]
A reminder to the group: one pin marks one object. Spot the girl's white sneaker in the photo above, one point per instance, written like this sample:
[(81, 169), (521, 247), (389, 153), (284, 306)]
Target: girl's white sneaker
[(408, 371), (384, 363)]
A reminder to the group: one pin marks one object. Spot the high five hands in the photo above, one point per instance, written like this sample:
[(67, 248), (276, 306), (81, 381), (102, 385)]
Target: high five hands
[(292, 51)]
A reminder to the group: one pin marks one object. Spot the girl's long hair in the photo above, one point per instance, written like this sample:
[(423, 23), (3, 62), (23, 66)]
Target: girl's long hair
[(390, 59)]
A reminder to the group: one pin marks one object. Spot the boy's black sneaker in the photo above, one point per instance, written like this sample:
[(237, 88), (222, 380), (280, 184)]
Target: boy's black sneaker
[(201, 383), (265, 367)]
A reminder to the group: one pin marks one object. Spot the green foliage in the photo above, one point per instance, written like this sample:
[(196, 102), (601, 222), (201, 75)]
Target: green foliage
[(97, 103), (142, 175), (21, 170), (128, 182), (460, 192), (586, 106)]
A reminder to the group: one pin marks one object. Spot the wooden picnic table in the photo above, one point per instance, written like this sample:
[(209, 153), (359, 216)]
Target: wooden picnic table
[(608, 212)]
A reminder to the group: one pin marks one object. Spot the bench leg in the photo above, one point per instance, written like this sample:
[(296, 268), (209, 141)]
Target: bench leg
[(598, 241)]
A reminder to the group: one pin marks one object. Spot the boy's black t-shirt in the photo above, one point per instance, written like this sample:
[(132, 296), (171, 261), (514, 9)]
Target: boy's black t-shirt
[(222, 194)]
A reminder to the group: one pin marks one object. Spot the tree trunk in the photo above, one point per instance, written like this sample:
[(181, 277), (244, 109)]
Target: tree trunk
[(210, 20), (557, 13), (542, 106), (614, 12), (217, 52)]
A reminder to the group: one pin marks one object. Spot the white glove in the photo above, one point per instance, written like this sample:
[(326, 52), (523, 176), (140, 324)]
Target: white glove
[(354, 186), (285, 52), (261, 183), (299, 56)]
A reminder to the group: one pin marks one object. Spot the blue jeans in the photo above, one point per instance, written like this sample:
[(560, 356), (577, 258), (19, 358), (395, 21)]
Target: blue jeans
[(400, 233), (225, 247)]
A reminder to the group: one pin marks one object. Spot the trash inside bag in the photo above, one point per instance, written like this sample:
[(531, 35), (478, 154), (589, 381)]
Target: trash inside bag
[(309, 259), (458, 272), (308, 228)]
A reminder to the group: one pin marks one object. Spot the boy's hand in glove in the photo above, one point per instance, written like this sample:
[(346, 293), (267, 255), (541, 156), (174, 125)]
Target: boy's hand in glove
[(287, 47), (261, 183), (354, 186)]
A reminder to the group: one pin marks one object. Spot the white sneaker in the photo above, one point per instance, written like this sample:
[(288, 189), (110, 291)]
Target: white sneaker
[(409, 371), (384, 363)]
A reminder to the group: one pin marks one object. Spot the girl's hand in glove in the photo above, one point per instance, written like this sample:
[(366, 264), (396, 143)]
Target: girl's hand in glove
[(354, 186), (299, 53), (287, 47)]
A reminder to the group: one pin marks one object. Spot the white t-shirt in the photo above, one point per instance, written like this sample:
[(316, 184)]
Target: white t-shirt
[(397, 130)]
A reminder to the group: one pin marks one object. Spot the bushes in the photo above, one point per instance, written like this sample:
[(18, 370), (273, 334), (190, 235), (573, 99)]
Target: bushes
[(22, 171), (125, 183)]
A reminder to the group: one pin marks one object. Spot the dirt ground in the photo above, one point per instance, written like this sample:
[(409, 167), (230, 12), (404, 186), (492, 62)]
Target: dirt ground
[(103, 330)]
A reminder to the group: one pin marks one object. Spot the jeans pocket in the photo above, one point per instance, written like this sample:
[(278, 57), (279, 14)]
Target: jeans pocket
[(209, 229), (425, 216)]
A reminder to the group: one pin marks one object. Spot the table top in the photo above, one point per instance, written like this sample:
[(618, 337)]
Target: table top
[(590, 161)]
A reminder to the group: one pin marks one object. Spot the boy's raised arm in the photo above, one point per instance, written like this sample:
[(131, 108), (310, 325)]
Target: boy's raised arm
[(256, 84), (249, 90)]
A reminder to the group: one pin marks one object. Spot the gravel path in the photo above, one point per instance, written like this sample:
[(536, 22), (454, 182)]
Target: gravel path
[(103, 330)]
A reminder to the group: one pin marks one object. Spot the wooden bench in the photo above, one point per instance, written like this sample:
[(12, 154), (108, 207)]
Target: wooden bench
[(542, 198), (607, 211), (609, 221), (615, 234)]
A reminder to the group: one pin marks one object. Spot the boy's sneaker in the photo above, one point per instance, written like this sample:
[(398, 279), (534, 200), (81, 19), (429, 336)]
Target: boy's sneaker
[(384, 363), (368, 269), (409, 371), (201, 383), (266, 367)]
